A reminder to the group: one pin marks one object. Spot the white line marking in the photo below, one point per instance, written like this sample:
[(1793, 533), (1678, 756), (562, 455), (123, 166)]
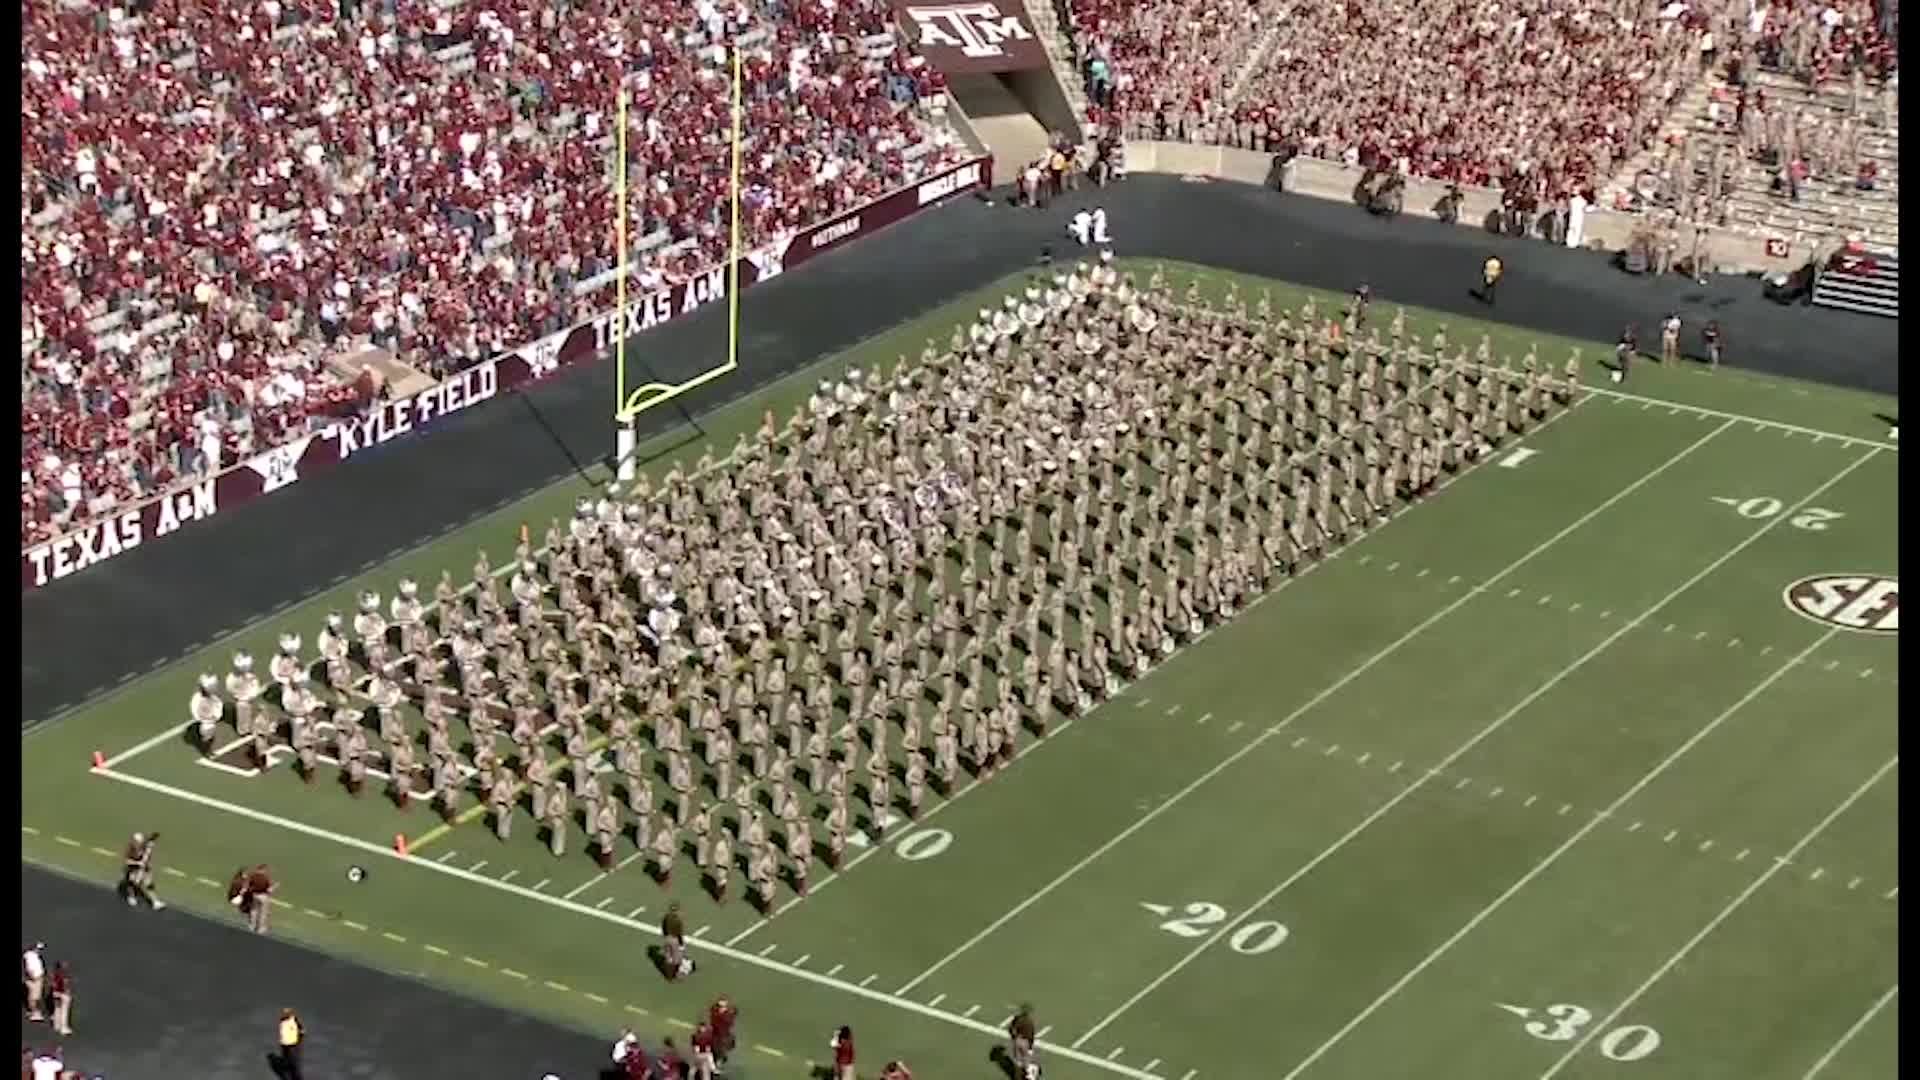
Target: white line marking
[(1818, 873), (509, 875), (1154, 1064), (635, 913), (1635, 827), (1362, 759), (1552, 857), (1706, 845), (1668, 839), (602, 905), (1297, 743), (541, 884), (802, 962), (1495, 793), (1725, 913), (1531, 799), (1565, 809), (971, 1009), (477, 867), (937, 999), (1463, 783), (1117, 1051), (1361, 669), (702, 932), (1847, 1036), (1395, 767), (1204, 717), (772, 947), (1854, 884), (835, 971), (868, 980), (584, 886)]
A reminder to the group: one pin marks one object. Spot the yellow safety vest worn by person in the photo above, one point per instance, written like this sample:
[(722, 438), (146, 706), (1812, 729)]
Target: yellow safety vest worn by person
[(1492, 270), (289, 1032)]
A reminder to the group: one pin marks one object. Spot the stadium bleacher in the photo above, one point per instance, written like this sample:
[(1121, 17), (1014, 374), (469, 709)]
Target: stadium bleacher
[(219, 203)]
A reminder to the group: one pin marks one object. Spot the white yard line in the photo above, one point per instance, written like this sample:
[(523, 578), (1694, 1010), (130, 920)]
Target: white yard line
[(611, 918), (1738, 418), (1725, 913), (1847, 1037), (1364, 667), (1464, 748), (1554, 856)]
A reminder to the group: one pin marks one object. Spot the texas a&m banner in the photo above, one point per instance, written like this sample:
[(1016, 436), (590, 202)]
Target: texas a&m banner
[(972, 36)]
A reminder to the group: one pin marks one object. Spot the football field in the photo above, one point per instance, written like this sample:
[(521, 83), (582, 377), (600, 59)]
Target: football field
[(1585, 766)]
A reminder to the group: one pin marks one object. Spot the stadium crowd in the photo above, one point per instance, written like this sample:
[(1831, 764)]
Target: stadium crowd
[(889, 596), (218, 202), (1533, 95)]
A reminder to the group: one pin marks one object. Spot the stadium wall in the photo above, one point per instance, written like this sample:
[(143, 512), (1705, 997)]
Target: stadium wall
[(282, 466), (1739, 250)]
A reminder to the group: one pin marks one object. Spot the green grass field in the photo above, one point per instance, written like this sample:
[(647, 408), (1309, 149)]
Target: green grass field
[(1542, 778)]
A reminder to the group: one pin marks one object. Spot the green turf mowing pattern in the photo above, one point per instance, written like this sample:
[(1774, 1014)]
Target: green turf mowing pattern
[(1352, 813)]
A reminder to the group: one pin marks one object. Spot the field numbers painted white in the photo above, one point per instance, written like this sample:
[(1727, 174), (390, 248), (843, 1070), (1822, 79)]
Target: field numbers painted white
[(1198, 919), (1258, 938), (1563, 1023), (1760, 508), (925, 844), (915, 846), (1513, 460)]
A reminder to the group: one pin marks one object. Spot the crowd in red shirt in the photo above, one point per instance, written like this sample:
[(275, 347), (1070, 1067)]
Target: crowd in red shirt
[(217, 198), (1553, 95)]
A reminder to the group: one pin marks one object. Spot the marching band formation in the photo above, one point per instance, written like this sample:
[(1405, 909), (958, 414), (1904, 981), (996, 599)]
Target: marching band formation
[(889, 595)]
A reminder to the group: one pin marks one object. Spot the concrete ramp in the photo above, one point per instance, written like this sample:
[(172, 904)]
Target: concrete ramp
[(1014, 136)]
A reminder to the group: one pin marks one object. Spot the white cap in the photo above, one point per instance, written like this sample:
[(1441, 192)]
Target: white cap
[(242, 662), (289, 642), (408, 587), (208, 682)]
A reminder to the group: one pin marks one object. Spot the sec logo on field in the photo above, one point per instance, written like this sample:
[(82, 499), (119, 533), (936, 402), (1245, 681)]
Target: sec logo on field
[(1867, 603)]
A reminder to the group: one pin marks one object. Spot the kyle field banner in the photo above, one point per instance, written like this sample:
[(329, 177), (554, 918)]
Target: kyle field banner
[(284, 465), (974, 37)]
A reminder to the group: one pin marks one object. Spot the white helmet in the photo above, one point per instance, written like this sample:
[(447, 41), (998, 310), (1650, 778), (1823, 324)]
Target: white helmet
[(333, 620), (139, 838), (369, 600), (290, 643), (408, 587), (1106, 256), (208, 683), (242, 662), (527, 567)]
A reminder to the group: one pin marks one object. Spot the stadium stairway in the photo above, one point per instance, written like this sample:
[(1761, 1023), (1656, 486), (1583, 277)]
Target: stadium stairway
[(1875, 292), (1051, 24), (1012, 134)]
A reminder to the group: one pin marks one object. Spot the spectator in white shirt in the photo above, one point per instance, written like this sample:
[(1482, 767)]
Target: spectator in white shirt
[(33, 972)]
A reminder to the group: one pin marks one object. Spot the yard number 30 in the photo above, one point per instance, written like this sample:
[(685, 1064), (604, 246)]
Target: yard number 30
[(1563, 1023)]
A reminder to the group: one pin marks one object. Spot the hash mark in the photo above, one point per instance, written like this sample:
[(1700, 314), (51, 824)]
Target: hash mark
[(476, 867), (474, 962), (802, 962), (596, 998), (1565, 809), (1742, 857), (1395, 767), (1668, 839), (1391, 567), (1832, 664), (1893, 892), (1495, 793), (1733, 643), (1333, 749), (1142, 703), (1766, 649), (835, 971), (1204, 717), (1575, 607), (437, 950), (602, 905), (768, 949), (1365, 559), (541, 884), (1464, 781), (512, 974), (1854, 884), (1512, 593), (935, 1003), (1818, 873), (1608, 613), (352, 924), (1866, 672), (1635, 827), (1422, 573), (1362, 759), (702, 932), (509, 875), (636, 911), (1706, 845), (1173, 710), (559, 987), (1235, 726), (1531, 799), (1299, 742), (971, 1009), (1042, 1033), (391, 936), (1545, 599), (1668, 629), (1454, 580), (1117, 1051), (1699, 635), (1150, 1065), (867, 981)]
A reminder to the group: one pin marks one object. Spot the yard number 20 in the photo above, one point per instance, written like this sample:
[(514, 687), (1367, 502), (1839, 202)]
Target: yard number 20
[(1253, 939), (1563, 1023), (1812, 519)]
